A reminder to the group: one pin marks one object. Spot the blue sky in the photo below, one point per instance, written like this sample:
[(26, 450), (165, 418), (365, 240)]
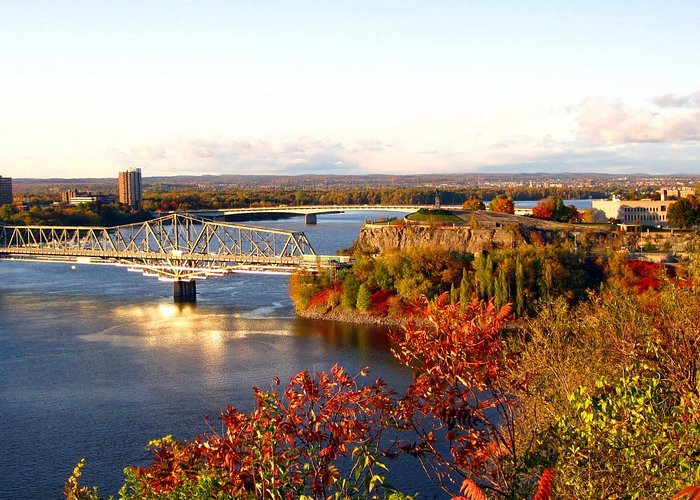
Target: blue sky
[(88, 88)]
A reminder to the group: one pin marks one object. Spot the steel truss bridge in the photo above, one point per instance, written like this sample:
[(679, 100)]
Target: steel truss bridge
[(177, 248)]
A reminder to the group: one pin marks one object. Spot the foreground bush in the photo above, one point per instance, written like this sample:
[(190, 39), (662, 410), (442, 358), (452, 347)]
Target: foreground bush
[(585, 401)]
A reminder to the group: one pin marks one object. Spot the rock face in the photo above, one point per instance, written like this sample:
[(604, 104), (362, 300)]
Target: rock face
[(457, 238), (670, 242), (463, 238)]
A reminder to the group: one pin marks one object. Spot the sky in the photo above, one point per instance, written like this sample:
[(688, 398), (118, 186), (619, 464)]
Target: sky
[(348, 87)]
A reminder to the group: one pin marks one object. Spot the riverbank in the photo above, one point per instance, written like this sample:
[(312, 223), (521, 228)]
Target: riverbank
[(352, 317)]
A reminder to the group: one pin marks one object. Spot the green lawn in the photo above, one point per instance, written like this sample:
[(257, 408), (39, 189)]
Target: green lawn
[(433, 215)]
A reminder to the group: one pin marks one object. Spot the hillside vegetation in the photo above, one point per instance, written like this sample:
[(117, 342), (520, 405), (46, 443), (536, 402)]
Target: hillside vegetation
[(595, 397)]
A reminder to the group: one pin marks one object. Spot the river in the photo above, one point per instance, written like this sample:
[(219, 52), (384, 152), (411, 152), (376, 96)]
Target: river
[(96, 361)]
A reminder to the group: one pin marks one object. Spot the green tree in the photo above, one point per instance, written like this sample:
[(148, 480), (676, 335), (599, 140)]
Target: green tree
[(484, 276), (350, 289), (464, 288), (6, 212), (364, 298), (546, 280), (519, 288), (454, 294), (684, 213), (626, 440), (382, 277), (501, 296)]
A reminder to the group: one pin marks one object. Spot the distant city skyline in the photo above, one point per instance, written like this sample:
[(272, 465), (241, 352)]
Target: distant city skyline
[(408, 87)]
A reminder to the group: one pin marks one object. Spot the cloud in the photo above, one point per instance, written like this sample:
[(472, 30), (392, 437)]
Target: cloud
[(598, 135), (649, 158), (673, 101), (148, 152), (247, 156), (372, 145), (603, 121)]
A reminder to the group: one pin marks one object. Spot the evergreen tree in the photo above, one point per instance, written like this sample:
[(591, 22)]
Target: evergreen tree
[(519, 288), (484, 276), (501, 288), (546, 280), (464, 289), (454, 294), (350, 288), (490, 280), (364, 298)]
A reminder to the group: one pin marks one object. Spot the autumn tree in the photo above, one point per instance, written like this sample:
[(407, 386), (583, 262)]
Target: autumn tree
[(350, 289), (613, 389), (553, 208), (503, 204), (474, 204), (289, 446), (460, 404)]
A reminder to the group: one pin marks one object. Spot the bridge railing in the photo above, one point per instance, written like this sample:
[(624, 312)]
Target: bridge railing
[(178, 234)]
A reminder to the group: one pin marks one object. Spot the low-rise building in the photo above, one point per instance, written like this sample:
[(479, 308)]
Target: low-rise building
[(74, 197), (646, 212), (676, 192)]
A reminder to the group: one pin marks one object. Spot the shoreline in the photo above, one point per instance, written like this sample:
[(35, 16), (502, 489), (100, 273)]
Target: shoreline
[(351, 317)]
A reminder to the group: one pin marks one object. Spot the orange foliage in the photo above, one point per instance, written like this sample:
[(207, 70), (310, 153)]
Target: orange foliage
[(690, 493), (470, 491), (544, 490)]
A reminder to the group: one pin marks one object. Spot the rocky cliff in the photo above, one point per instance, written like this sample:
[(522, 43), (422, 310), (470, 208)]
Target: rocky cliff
[(458, 238), (464, 238)]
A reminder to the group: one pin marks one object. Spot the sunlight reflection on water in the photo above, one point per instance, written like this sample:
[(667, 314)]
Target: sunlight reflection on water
[(95, 362)]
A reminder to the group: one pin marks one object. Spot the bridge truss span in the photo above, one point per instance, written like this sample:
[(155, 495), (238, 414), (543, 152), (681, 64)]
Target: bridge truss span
[(176, 247)]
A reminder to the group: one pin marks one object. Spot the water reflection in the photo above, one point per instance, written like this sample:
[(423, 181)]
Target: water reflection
[(98, 361), (347, 335)]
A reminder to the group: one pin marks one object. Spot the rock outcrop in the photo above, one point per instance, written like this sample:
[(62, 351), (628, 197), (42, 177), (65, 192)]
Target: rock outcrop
[(458, 238)]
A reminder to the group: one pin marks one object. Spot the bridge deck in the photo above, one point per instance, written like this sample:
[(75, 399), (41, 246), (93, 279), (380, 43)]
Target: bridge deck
[(174, 247)]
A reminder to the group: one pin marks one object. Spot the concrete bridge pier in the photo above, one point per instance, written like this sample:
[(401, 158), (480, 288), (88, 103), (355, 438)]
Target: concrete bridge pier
[(310, 218), (185, 291)]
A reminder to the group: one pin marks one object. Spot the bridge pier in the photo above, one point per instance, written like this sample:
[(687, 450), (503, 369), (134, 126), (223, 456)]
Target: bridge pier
[(310, 218), (185, 291)]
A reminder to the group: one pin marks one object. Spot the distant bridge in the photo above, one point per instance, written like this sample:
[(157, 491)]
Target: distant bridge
[(177, 248), (310, 211)]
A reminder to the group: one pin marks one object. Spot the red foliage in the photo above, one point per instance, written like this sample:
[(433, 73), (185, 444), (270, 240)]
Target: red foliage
[(643, 275), (470, 491), (320, 300), (459, 366), (543, 210), (503, 205), (380, 302), (287, 444), (459, 408)]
